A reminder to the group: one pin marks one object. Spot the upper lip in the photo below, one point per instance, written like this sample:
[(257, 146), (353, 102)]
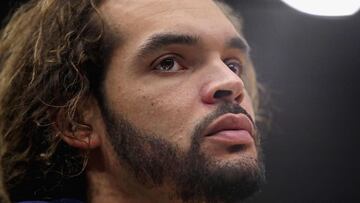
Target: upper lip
[(230, 122)]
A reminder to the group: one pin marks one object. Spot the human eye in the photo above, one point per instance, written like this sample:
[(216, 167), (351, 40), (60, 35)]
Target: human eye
[(167, 64), (234, 65)]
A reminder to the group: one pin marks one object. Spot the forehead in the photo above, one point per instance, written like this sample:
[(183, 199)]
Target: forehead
[(141, 18)]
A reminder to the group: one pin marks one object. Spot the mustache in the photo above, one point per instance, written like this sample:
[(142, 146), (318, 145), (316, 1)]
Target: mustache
[(222, 109)]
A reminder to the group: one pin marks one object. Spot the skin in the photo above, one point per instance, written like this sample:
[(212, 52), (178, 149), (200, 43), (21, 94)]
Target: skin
[(165, 103)]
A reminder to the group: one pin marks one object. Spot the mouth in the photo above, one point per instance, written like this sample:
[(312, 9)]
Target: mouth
[(232, 129)]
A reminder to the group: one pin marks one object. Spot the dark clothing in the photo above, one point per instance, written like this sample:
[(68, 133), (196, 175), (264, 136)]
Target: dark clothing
[(55, 201)]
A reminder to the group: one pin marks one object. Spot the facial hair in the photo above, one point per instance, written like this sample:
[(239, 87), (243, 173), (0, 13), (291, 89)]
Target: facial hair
[(196, 176)]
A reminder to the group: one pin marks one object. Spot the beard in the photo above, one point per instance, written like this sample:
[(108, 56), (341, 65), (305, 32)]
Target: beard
[(195, 176)]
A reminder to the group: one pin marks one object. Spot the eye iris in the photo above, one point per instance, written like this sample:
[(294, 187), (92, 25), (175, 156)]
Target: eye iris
[(167, 64), (233, 67)]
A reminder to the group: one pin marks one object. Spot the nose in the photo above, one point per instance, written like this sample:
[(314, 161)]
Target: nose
[(222, 85)]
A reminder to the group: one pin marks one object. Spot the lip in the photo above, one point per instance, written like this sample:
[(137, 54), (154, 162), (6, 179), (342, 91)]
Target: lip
[(231, 126)]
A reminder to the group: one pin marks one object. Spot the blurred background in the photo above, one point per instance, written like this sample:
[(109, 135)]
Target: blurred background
[(310, 67)]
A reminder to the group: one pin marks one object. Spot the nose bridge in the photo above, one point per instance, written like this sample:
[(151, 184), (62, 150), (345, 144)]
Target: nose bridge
[(222, 84)]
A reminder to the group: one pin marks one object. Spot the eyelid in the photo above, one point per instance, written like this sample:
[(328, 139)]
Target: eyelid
[(165, 56), (236, 60), (233, 59), (178, 60)]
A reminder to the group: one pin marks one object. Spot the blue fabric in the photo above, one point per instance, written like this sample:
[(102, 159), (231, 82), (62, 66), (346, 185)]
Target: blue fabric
[(55, 201)]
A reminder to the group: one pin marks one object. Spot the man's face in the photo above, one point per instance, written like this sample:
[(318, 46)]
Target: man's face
[(173, 94)]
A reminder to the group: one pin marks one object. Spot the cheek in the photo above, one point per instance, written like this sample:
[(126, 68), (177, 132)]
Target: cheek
[(162, 112)]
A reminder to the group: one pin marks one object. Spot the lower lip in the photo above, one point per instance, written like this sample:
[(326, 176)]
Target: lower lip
[(232, 137)]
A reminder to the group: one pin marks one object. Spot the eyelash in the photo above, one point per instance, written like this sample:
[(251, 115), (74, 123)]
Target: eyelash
[(173, 59), (238, 63)]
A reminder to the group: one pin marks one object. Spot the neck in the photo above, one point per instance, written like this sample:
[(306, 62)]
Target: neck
[(109, 182)]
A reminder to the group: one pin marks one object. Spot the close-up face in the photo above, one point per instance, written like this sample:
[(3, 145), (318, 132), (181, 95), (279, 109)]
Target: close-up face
[(177, 77)]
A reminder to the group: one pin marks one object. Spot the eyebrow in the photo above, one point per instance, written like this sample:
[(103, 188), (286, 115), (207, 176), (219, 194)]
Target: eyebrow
[(238, 43), (158, 41)]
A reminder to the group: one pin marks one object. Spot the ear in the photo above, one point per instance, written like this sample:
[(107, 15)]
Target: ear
[(82, 133), (81, 138)]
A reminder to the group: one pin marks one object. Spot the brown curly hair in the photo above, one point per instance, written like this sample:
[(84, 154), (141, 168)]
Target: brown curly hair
[(52, 58)]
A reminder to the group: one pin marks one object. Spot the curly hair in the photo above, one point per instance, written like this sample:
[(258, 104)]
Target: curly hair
[(3, 196), (53, 56), (50, 50)]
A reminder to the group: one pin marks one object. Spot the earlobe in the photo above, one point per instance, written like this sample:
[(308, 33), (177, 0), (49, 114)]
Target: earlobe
[(82, 134), (81, 138)]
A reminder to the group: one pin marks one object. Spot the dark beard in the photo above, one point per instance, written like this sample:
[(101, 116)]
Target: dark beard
[(196, 177)]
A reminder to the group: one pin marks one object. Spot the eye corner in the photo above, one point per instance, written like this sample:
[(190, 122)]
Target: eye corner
[(234, 64), (169, 63)]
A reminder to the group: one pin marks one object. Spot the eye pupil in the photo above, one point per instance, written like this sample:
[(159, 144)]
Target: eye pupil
[(167, 64), (233, 67)]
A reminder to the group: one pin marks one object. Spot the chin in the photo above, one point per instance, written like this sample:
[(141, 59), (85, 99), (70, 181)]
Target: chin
[(213, 179)]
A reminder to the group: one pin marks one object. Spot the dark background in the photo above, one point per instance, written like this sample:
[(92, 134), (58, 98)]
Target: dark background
[(310, 67)]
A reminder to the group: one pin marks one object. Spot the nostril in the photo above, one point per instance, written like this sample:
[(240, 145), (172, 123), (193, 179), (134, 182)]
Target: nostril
[(239, 98), (222, 93)]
